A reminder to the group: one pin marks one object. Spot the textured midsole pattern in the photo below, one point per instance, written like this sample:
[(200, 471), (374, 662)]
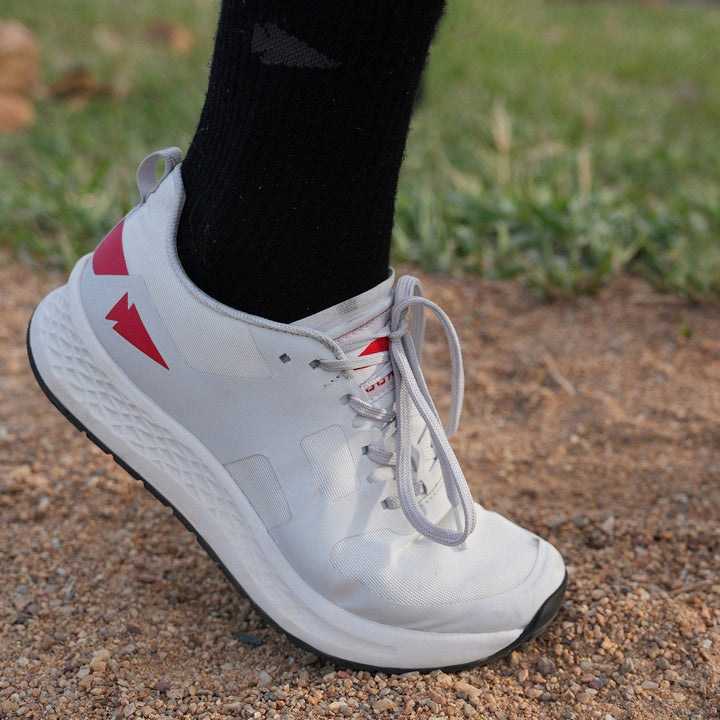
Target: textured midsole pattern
[(113, 417), (95, 395)]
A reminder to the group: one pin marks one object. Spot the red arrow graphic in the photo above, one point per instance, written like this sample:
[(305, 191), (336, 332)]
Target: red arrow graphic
[(129, 326)]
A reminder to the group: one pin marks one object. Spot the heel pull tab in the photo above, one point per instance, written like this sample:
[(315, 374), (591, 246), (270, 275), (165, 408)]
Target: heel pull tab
[(147, 180)]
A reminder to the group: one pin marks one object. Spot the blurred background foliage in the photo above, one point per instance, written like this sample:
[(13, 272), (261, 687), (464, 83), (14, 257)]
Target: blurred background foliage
[(558, 141)]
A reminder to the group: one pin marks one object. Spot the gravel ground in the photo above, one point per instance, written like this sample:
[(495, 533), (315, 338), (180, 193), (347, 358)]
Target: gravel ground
[(593, 422)]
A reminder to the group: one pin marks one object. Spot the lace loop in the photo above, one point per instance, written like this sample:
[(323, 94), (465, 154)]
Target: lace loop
[(411, 393), (411, 390)]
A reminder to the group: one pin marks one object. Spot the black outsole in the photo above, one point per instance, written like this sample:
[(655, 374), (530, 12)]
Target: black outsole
[(537, 625)]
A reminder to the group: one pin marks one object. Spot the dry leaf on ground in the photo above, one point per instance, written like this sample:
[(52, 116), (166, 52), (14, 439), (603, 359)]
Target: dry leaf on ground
[(79, 85), (19, 58), (176, 36), (16, 112), (19, 72)]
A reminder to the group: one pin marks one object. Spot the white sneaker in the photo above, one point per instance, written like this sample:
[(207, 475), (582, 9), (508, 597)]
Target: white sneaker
[(308, 458)]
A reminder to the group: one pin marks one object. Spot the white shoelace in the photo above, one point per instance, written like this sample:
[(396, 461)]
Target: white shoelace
[(411, 391)]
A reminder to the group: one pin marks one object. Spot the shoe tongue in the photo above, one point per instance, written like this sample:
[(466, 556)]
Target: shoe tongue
[(376, 380), (365, 314)]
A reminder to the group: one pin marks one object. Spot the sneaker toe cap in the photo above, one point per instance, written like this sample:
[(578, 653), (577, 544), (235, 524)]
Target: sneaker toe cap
[(496, 581)]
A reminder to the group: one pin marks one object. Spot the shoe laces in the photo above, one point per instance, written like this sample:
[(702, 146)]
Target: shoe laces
[(405, 338)]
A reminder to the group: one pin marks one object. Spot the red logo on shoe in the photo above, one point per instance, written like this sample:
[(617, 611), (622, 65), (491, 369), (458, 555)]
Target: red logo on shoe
[(129, 326), (379, 383), (109, 258), (376, 346)]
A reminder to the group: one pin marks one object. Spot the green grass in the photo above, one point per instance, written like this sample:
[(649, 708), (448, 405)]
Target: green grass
[(73, 171), (557, 141)]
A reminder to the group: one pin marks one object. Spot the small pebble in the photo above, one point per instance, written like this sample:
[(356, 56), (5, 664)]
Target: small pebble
[(247, 639), (383, 704), (264, 679), (409, 675), (147, 578), (608, 525), (545, 666), (32, 609), (99, 660), (434, 707), (467, 689)]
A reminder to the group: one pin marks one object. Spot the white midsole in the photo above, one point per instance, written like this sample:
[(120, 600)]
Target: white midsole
[(89, 384)]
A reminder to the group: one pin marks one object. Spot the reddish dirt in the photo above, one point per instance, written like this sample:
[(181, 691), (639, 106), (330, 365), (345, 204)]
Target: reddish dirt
[(593, 422)]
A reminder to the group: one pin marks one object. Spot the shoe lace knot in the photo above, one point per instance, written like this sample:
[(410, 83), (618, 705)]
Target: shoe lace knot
[(405, 338)]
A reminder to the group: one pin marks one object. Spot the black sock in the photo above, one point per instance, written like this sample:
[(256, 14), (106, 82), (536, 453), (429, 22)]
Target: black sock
[(292, 173)]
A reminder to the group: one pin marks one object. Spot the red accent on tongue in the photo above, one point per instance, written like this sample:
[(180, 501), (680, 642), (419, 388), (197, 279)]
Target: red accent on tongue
[(376, 346)]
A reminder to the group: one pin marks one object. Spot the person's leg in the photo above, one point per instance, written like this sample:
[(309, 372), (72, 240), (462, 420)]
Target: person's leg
[(291, 176)]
